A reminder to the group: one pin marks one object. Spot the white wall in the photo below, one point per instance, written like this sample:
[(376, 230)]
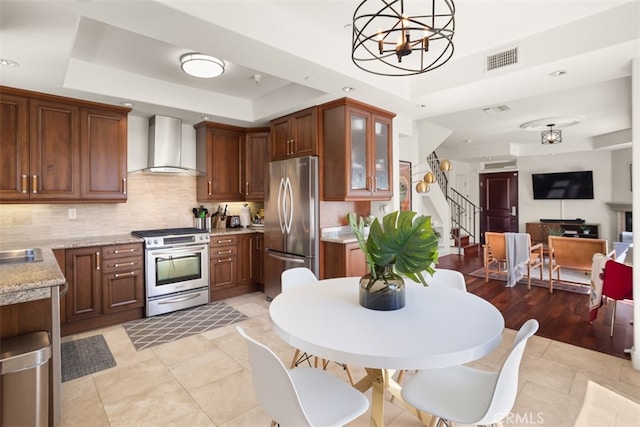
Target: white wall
[(621, 176), (608, 167)]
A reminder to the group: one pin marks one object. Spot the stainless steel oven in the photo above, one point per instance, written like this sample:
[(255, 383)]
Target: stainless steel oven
[(176, 269)]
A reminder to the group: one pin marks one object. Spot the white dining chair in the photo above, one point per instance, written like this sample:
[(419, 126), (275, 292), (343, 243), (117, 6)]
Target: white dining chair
[(442, 277), (466, 395), (445, 277), (301, 396), (290, 279)]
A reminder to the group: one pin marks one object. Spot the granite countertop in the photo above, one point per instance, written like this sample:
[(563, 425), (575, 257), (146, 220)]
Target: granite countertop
[(239, 230), (32, 281), (341, 234)]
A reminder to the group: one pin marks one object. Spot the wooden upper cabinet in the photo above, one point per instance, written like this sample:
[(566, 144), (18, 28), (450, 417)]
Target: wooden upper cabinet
[(256, 164), (295, 135), (14, 146), (220, 153), (103, 154), (357, 160), (57, 149), (54, 150)]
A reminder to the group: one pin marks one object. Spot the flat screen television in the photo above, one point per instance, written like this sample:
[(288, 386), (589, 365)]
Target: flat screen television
[(563, 185)]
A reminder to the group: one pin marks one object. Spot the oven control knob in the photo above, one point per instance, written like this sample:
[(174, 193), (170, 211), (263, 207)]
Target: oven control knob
[(155, 242)]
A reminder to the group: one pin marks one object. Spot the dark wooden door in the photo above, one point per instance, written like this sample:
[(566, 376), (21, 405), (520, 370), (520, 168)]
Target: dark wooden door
[(498, 202)]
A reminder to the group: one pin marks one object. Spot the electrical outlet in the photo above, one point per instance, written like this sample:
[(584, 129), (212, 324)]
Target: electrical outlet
[(72, 213)]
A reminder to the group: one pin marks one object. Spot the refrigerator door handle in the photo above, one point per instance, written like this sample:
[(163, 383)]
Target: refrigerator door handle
[(287, 204), (280, 203), (287, 259)]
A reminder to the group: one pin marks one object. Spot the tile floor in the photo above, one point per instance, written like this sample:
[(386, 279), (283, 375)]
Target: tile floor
[(204, 380)]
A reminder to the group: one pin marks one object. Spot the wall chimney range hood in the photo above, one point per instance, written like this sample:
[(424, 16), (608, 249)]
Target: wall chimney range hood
[(164, 153)]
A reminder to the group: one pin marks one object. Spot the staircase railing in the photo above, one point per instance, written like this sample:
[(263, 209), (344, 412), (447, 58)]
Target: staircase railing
[(463, 211), (441, 178), (463, 217)]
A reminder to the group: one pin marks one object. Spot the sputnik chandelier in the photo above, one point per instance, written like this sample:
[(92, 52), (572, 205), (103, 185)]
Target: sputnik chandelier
[(391, 38)]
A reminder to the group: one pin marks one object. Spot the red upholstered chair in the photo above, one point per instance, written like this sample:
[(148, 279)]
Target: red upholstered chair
[(617, 284)]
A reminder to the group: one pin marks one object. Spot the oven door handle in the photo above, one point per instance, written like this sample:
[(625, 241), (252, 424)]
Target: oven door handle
[(177, 251), (179, 299)]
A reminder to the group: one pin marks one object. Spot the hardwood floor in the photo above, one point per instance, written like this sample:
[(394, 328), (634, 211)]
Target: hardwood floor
[(563, 316)]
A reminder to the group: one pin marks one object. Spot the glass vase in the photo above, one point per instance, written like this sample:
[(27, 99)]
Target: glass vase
[(385, 293)]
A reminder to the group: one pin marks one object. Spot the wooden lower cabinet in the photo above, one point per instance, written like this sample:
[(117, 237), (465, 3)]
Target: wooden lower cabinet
[(106, 286), (122, 278), (258, 259), (344, 260), (232, 271), (84, 277)]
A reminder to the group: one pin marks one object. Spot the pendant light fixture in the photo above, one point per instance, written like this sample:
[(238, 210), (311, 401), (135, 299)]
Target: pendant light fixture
[(202, 66), (551, 136), (402, 38)]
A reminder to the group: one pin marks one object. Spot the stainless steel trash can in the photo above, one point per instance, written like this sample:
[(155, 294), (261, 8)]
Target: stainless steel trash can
[(24, 380)]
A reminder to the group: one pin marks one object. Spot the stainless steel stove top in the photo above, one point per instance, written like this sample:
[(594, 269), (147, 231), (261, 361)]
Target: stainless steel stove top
[(168, 237)]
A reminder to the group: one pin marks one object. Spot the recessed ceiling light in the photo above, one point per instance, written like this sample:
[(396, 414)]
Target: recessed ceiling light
[(202, 66), (126, 104), (205, 118), (467, 141), (496, 109), (8, 63), (558, 73), (421, 105), (348, 89)]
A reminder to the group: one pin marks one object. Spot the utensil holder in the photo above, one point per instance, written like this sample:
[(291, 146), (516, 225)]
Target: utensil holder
[(199, 223)]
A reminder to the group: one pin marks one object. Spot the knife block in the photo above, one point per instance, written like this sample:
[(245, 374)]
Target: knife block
[(221, 223)]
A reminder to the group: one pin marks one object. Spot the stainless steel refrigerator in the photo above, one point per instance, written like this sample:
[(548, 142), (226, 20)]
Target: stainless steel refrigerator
[(291, 230)]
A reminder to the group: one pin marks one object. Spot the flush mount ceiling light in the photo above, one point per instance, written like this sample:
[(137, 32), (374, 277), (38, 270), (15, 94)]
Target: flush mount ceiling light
[(390, 39), (551, 136), (202, 66)]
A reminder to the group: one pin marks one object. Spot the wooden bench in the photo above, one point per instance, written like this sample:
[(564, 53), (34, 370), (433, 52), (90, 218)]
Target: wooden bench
[(572, 253)]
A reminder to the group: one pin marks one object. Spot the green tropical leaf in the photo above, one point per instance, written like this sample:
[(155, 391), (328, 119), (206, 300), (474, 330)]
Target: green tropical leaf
[(411, 245)]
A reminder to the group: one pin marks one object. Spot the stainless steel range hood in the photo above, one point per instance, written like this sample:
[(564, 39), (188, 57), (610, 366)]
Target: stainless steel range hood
[(165, 147)]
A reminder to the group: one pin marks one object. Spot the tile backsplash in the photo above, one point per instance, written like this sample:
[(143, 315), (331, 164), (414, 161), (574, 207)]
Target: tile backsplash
[(154, 201)]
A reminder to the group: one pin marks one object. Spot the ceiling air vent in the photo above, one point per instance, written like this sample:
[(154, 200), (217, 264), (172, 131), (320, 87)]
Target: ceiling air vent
[(510, 164), (502, 59)]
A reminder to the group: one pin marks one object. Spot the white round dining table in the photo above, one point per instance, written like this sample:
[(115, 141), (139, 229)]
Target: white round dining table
[(438, 327)]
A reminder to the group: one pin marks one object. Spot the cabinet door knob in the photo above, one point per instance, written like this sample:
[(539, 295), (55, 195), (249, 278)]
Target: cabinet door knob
[(24, 184), (34, 184), (97, 260), (209, 188), (124, 185)]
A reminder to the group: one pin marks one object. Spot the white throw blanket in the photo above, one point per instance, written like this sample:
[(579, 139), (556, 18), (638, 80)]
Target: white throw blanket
[(517, 248), (595, 298)]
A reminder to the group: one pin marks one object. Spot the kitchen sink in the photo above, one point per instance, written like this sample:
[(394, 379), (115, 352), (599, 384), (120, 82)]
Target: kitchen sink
[(17, 256)]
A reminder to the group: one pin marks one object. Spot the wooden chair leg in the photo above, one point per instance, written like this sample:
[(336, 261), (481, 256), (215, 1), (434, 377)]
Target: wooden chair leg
[(613, 316), (296, 355), (401, 376), (349, 374)]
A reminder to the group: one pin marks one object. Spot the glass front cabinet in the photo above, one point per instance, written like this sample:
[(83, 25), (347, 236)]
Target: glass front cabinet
[(357, 161)]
